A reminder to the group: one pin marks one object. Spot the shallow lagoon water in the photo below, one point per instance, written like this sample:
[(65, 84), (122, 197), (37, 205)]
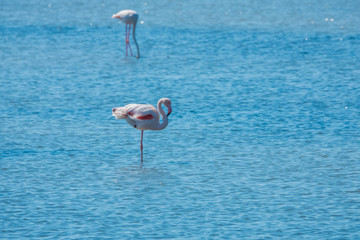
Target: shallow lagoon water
[(263, 141)]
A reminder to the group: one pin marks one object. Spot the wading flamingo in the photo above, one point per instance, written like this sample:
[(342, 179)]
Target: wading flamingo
[(144, 117), (129, 17)]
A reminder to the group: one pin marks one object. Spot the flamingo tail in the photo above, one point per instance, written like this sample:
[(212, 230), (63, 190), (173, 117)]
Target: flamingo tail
[(119, 113)]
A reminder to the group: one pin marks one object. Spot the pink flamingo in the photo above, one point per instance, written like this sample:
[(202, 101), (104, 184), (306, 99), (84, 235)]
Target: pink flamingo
[(144, 117), (129, 17)]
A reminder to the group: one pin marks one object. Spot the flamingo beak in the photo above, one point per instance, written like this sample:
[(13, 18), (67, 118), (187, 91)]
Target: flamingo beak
[(169, 111), (114, 16)]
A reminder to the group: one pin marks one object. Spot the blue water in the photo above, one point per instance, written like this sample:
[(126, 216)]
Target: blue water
[(263, 141)]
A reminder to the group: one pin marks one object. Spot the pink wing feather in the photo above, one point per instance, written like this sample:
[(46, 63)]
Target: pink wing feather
[(141, 111), (145, 117)]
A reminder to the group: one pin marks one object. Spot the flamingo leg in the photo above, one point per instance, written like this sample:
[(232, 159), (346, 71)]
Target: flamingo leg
[(128, 37), (141, 145)]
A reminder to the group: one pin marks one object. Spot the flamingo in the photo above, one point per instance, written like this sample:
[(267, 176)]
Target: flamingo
[(144, 117), (129, 17)]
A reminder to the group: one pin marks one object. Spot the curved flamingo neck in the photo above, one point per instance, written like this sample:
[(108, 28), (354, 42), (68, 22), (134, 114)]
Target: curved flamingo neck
[(136, 44), (163, 115)]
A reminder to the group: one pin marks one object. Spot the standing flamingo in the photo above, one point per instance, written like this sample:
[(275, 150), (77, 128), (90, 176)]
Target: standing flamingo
[(144, 117), (128, 17)]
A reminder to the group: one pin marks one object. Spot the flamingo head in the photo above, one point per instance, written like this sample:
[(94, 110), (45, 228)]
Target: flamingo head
[(167, 103)]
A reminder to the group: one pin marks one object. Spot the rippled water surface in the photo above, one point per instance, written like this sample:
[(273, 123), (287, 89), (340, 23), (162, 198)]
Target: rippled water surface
[(263, 141)]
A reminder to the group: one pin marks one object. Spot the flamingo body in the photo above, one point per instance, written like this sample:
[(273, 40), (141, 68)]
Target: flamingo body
[(140, 116), (127, 16), (144, 117)]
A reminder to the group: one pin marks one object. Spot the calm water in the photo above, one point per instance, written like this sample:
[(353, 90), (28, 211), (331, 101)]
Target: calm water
[(263, 141)]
